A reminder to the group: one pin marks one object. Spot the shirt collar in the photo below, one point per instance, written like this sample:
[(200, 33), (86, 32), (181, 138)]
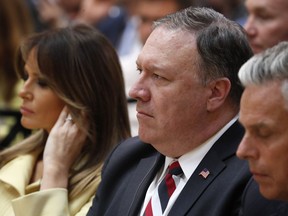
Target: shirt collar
[(191, 160)]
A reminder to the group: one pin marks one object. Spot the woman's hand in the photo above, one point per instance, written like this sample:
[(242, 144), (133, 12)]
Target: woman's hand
[(63, 146)]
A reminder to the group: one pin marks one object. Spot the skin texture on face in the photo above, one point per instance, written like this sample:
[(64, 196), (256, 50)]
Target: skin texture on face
[(171, 100), (41, 106), (149, 11), (265, 143), (266, 25)]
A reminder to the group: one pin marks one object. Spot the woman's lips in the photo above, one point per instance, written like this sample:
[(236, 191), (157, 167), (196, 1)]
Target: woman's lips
[(25, 111)]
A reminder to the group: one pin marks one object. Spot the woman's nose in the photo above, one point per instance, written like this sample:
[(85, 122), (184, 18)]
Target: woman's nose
[(25, 92)]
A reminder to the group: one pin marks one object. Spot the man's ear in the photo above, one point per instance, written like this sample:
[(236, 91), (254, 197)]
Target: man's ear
[(219, 90)]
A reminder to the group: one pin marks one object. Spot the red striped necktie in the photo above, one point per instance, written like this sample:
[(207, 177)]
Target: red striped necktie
[(166, 188)]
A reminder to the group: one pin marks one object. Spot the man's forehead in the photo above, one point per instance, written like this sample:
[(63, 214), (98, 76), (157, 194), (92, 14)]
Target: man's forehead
[(168, 43)]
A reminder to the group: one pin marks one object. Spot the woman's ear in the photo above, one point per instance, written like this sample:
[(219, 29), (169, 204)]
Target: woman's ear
[(220, 89)]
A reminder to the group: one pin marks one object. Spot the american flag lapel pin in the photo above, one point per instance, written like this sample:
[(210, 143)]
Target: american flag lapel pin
[(204, 173)]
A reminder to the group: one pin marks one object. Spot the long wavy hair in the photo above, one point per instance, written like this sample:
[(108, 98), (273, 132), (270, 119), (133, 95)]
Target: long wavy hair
[(83, 69)]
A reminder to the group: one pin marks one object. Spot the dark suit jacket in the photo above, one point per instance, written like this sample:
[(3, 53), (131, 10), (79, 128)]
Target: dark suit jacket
[(132, 166), (254, 204)]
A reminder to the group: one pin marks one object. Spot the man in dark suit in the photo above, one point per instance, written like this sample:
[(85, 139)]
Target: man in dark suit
[(188, 96), (254, 204), (264, 114)]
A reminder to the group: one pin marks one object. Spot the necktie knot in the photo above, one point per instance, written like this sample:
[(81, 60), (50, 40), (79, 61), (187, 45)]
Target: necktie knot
[(175, 168)]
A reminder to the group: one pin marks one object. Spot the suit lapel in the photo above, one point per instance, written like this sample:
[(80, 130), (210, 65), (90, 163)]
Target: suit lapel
[(147, 168), (139, 183), (197, 184), (214, 161)]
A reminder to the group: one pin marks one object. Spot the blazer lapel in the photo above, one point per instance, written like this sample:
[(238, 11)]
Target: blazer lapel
[(139, 183), (18, 171)]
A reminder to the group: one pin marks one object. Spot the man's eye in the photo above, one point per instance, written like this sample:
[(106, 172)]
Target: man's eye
[(139, 70), (264, 134), (156, 76)]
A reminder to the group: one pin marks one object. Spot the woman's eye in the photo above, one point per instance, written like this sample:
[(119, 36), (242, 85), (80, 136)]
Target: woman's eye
[(42, 83), (25, 76)]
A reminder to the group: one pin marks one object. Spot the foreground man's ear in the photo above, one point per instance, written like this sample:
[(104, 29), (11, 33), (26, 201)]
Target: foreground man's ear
[(219, 90)]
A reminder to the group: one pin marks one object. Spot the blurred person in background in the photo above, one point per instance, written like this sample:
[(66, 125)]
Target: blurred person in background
[(266, 25), (74, 98), (105, 15), (108, 16), (16, 23), (56, 13), (232, 9), (150, 10)]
